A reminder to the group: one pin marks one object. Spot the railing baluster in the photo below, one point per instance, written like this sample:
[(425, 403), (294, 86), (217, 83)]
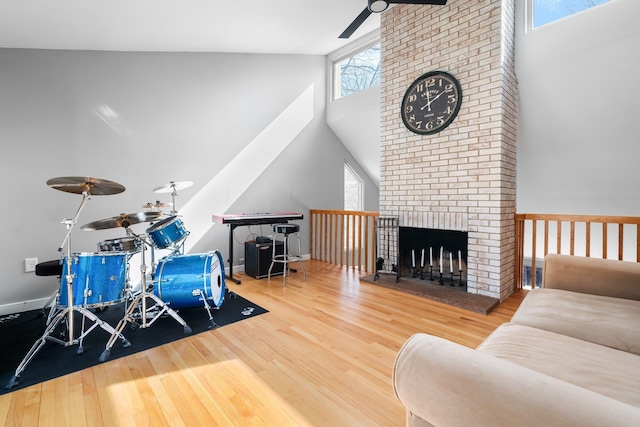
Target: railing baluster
[(335, 224), (312, 248), (588, 239), (637, 243), (620, 240), (604, 240), (546, 237), (534, 233), (359, 245)]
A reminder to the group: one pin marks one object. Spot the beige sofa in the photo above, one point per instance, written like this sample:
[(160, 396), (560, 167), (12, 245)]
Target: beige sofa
[(569, 357)]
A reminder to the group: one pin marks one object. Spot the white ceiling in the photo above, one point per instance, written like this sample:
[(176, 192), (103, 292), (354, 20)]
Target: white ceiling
[(247, 26)]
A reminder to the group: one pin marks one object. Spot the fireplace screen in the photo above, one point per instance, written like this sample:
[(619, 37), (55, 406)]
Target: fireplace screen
[(435, 255), (387, 246)]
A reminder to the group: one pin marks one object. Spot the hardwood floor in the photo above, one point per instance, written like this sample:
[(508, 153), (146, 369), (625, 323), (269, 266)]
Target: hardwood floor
[(322, 356)]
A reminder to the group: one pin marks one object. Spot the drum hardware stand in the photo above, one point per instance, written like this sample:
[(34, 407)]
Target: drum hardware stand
[(174, 193), (173, 187), (52, 305), (60, 317), (178, 248), (66, 314), (203, 298), (140, 302)]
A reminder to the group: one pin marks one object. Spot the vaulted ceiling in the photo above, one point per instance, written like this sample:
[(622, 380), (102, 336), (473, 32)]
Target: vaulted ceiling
[(246, 26), (241, 26)]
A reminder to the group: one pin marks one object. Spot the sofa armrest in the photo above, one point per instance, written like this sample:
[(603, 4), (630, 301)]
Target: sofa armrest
[(606, 277), (449, 385)]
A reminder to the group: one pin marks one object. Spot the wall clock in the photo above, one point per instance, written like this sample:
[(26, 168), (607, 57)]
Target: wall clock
[(431, 102)]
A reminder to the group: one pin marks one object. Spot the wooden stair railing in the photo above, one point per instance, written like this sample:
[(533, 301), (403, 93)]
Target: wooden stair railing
[(583, 235), (345, 238)]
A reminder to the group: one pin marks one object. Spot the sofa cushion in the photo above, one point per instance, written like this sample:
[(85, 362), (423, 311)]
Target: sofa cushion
[(601, 369), (608, 321), (607, 277)]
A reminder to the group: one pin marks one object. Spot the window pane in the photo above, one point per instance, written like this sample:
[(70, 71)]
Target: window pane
[(545, 11), (352, 190), (359, 72)]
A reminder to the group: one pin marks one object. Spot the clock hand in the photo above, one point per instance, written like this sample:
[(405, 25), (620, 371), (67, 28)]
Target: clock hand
[(438, 95), (429, 102), (428, 105)]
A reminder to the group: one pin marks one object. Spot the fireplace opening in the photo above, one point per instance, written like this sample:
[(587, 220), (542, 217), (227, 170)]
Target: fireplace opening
[(437, 256)]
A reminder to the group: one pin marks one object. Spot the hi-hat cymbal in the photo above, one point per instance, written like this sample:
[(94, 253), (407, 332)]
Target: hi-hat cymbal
[(157, 204), (82, 184), (122, 220), (173, 186)]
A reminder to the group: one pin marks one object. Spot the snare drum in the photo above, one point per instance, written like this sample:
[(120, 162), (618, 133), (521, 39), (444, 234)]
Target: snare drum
[(184, 280), (98, 279), (169, 230), (124, 244)]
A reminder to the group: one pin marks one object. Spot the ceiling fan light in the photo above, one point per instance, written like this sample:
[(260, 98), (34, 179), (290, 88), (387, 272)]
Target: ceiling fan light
[(378, 6)]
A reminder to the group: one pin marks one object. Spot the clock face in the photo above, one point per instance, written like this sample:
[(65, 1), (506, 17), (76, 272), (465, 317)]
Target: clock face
[(431, 102)]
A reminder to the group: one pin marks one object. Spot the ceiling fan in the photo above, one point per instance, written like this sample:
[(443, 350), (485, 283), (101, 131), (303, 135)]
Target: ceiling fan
[(378, 6)]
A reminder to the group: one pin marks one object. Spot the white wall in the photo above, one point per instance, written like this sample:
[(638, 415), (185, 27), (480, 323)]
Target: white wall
[(142, 120), (356, 118), (356, 121), (579, 91)]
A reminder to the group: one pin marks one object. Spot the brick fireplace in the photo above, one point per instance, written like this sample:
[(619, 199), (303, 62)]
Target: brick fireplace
[(463, 178)]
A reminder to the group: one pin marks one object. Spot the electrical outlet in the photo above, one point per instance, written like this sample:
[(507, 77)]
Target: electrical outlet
[(30, 265)]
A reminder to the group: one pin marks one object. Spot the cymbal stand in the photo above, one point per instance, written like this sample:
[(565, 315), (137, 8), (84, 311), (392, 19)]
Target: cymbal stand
[(140, 303), (70, 223), (174, 193), (66, 314)]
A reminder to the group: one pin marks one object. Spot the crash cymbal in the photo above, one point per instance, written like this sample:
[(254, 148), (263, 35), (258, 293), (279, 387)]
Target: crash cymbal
[(81, 184), (173, 186), (157, 204), (122, 220)]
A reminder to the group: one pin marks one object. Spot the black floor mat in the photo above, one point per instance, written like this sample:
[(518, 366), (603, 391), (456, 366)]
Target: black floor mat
[(19, 332)]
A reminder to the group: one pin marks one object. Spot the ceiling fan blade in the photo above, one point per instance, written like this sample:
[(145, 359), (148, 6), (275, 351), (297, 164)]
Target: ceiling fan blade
[(436, 2), (355, 24), (366, 12)]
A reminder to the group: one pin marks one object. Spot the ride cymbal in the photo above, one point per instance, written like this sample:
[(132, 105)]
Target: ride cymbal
[(173, 186), (122, 220), (82, 184)]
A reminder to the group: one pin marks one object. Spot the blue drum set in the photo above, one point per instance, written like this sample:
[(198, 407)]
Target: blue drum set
[(91, 282)]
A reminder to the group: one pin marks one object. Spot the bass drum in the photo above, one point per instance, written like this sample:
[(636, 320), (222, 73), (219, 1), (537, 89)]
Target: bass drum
[(184, 280)]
